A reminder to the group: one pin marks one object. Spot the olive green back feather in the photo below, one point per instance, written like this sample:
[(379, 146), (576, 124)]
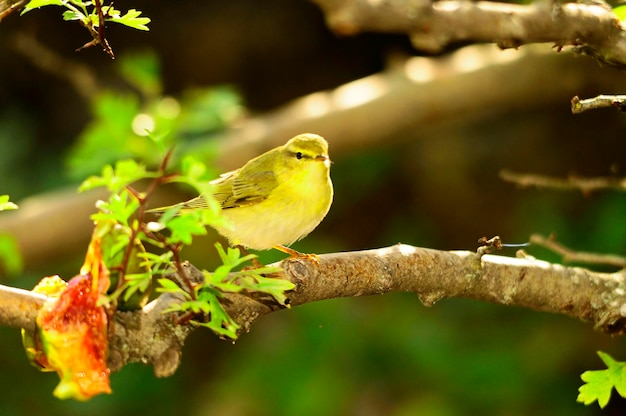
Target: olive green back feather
[(244, 187)]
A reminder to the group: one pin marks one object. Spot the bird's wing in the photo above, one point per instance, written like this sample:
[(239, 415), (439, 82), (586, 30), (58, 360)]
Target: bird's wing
[(223, 187), (243, 187)]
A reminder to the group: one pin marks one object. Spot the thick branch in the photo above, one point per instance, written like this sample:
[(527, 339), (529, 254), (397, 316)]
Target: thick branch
[(151, 337), (18, 307), (432, 25)]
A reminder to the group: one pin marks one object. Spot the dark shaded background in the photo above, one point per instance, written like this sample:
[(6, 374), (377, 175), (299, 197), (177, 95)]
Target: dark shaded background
[(436, 187)]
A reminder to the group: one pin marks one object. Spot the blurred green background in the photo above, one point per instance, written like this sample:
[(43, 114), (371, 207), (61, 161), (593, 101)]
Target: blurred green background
[(434, 185)]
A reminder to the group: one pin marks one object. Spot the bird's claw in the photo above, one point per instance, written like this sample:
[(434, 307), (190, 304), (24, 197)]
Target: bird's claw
[(313, 258)]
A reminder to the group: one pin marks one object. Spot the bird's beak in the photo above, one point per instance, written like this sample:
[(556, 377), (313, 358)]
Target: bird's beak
[(325, 159)]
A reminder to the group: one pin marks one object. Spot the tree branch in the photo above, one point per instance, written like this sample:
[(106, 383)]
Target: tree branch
[(570, 256), (9, 6), (601, 101), (18, 307), (585, 185), (151, 337), (432, 25)]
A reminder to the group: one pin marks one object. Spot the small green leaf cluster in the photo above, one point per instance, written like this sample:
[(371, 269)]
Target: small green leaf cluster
[(119, 229), (93, 16), (131, 18), (224, 280), (600, 383), (250, 280), (117, 178), (124, 236)]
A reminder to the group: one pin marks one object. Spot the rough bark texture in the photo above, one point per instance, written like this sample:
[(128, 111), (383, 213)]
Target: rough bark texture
[(432, 25), (152, 337)]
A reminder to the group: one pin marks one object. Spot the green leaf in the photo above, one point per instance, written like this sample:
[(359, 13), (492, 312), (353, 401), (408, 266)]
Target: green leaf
[(10, 256), (156, 261), (139, 282), (168, 286), (5, 204), (119, 209), (228, 287), (219, 321), (35, 4), (129, 171), (254, 281), (125, 173), (229, 331), (70, 15), (232, 256), (275, 288), (185, 227), (599, 383), (620, 12), (222, 253), (130, 19), (218, 276)]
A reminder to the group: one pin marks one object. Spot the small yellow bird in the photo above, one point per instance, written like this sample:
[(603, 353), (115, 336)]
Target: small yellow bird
[(276, 198)]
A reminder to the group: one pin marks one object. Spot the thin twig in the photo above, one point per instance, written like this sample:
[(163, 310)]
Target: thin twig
[(601, 101), (570, 256), (101, 37), (586, 185), (136, 229), (181, 271)]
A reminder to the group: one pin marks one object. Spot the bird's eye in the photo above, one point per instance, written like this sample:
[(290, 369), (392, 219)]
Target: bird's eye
[(299, 155)]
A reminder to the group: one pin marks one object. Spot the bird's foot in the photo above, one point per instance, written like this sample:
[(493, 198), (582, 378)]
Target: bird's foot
[(314, 258)]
